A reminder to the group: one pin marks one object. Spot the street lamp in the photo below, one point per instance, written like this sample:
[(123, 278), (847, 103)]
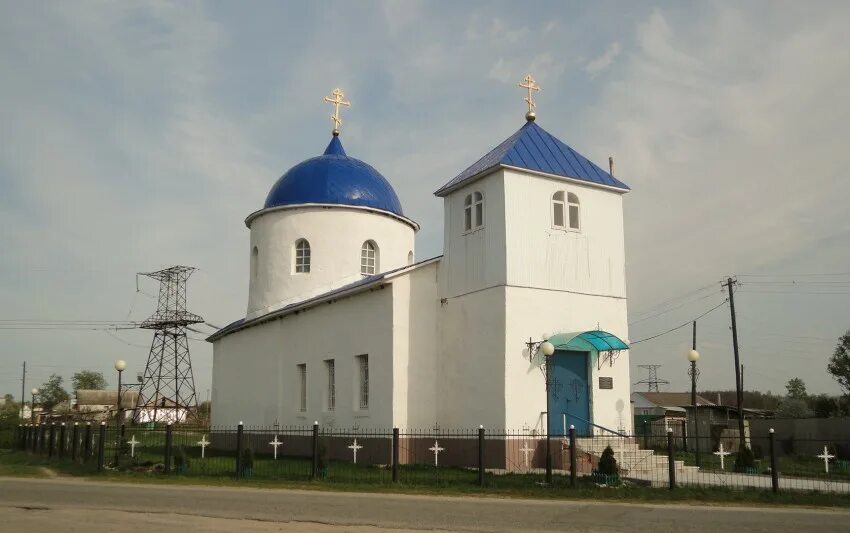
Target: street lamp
[(32, 405), (547, 349), (120, 365), (693, 357)]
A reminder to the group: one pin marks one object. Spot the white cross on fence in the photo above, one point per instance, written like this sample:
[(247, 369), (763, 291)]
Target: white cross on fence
[(275, 443), (132, 442), (436, 449), (354, 447), (525, 451), (826, 456), (203, 443), (722, 455)]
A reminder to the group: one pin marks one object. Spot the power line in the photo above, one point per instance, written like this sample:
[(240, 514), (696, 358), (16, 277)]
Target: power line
[(671, 309), (688, 323), (671, 300)]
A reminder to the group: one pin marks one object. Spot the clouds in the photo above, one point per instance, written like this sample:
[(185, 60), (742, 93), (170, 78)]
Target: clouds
[(599, 64), (143, 134)]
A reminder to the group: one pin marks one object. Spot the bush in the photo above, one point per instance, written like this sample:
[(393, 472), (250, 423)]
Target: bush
[(181, 460), (607, 464), (745, 461), (247, 459), (323, 454)]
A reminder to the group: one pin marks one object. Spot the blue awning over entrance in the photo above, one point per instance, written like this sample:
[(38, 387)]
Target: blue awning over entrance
[(596, 341)]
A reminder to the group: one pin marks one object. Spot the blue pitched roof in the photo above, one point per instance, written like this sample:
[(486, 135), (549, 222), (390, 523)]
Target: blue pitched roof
[(334, 178), (534, 148)]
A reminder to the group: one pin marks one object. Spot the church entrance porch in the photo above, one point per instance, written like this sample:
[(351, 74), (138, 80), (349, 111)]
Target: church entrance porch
[(569, 393)]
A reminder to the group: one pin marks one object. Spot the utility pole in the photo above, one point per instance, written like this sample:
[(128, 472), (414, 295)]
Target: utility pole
[(23, 389), (738, 378), (694, 375)]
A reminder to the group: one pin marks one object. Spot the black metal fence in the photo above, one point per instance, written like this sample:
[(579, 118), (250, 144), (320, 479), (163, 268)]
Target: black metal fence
[(482, 457)]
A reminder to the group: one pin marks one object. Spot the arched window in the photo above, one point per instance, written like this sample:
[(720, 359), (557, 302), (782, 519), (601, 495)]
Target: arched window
[(302, 256), (473, 211), (559, 211), (255, 263), (573, 205), (410, 257), (369, 258)]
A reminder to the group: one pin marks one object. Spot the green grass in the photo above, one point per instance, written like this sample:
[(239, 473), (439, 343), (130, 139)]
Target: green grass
[(415, 480), (788, 465)]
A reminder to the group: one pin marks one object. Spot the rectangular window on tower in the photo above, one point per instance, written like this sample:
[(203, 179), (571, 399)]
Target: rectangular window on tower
[(363, 380), (302, 387), (331, 398)]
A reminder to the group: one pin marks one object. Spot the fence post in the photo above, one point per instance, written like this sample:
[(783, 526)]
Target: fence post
[(75, 437), (42, 434), (52, 443), (774, 470), (166, 465), (573, 457), (118, 443), (87, 444), (684, 436), (62, 440), (315, 449), (16, 437), (481, 455), (101, 446), (395, 455), (645, 436), (239, 430), (671, 462)]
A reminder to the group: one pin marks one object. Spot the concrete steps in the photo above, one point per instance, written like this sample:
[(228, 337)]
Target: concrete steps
[(631, 457)]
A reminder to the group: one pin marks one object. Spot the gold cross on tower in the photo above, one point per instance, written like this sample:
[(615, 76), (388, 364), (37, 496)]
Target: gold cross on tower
[(530, 85), (337, 99)]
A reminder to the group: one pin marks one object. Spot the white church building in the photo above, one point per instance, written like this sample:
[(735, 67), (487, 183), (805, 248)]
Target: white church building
[(347, 327)]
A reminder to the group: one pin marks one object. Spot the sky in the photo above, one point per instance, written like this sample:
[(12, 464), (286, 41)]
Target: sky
[(139, 135)]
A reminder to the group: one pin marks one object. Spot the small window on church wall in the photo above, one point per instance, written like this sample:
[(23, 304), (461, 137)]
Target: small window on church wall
[(363, 380), (368, 258), (302, 387), (473, 211), (572, 201), (410, 257), (558, 210), (331, 399), (255, 266), (302, 257)]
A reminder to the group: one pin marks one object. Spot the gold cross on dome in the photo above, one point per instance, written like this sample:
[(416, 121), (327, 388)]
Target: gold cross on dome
[(531, 85), (337, 98)]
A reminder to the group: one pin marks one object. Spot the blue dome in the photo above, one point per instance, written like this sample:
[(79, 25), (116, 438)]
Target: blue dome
[(334, 178)]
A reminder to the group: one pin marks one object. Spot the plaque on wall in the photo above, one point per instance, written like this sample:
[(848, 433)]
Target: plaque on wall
[(606, 383)]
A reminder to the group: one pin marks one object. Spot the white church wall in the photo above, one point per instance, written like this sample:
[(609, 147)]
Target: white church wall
[(539, 313), (471, 368), (415, 306), (591, 260), (255, 374), (336, 235), (475, 259)]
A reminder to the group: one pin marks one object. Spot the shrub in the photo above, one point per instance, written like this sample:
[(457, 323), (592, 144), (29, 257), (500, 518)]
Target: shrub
[(744, 461), (247, 459), (323, 454), (607, 464), (181, 460)]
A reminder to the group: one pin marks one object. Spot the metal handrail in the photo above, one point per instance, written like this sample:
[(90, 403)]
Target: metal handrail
[(601, 427)]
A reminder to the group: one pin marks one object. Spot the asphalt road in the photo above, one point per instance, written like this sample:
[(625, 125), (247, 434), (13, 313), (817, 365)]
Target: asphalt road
[(36, 505)]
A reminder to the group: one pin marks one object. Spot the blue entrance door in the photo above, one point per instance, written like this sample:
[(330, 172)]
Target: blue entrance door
[(569, 399)]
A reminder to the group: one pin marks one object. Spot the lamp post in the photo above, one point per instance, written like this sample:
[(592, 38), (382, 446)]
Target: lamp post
[(547, 349), (693, 357), (120, 365), (32, 405)]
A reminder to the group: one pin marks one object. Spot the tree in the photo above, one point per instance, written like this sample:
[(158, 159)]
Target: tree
[(88, 380), (793, 408), (796, 389), (10, 412), (839, 363), (824, 405), (51, 393)]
